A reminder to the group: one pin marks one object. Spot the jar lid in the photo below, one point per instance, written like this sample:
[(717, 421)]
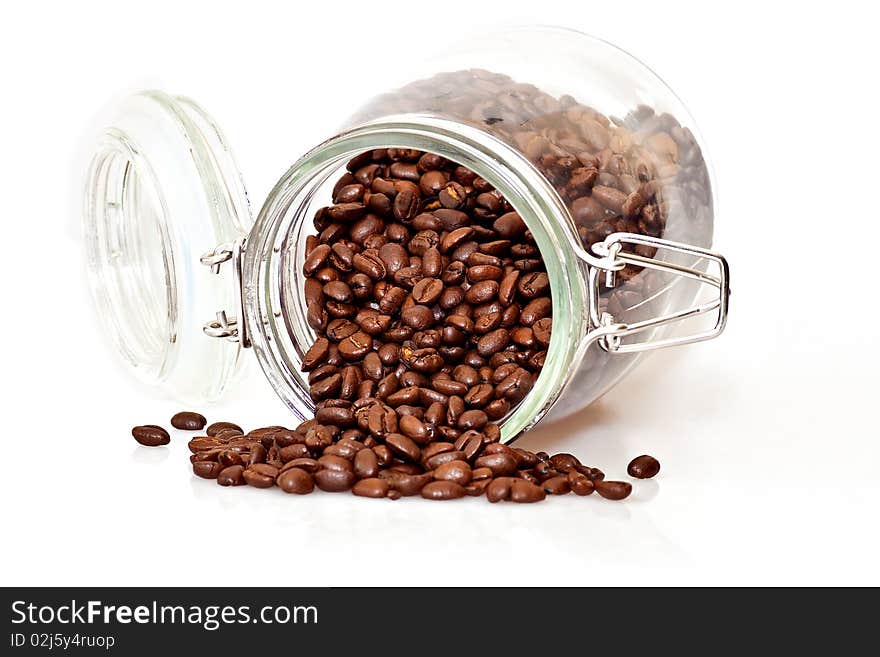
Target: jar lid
[(162, 189)]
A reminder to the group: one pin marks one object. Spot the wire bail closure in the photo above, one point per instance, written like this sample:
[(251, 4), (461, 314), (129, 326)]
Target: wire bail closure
[(233, 328), (610, 258)]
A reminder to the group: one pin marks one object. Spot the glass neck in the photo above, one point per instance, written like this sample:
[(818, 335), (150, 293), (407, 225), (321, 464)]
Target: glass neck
[(276, 311)]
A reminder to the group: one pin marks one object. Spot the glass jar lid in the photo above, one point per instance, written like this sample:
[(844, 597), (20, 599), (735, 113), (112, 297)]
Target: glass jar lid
[(162, 189)]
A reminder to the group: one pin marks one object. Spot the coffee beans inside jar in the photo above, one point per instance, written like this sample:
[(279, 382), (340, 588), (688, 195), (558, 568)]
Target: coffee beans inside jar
[(432, 312)]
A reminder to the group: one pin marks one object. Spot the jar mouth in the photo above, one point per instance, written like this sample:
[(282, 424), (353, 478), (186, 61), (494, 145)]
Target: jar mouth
[(275, 309)]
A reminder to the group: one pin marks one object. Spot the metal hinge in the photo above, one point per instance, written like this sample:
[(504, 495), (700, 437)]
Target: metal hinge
[(232, 328), (610, 333)]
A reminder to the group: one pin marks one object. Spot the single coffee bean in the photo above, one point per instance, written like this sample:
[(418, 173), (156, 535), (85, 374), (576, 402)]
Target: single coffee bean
[(580, 484), (295, 480), (403, 446), (643, 467), (371, 487), (500, 464), (443, 490), (217, 427), (334, 481), (366, 464), (206, 469), (188, 421), (499, 489), (150, 435), (260, 475), (558, 485), (523, 491), (612, 490), (231, 476), (457, 471)]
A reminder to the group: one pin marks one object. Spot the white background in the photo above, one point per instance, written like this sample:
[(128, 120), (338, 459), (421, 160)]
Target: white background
[(768, 436)]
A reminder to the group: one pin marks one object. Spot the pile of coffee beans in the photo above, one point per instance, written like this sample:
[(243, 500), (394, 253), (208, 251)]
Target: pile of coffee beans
[(432, 311), (302, 459)]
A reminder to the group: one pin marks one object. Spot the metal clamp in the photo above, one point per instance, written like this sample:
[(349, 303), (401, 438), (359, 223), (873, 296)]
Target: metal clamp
[(233, 329), (610, 334)]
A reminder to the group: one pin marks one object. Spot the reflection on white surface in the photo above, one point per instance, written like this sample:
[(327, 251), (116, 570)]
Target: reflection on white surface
[(149, 455)]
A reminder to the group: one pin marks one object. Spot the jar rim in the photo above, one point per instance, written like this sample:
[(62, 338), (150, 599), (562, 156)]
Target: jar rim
[(280, 346)]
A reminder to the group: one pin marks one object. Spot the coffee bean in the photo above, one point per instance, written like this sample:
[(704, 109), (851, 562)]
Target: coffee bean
[(580, 484), (443, 490), (482, 292), (500, 464), (334, 481), (406, 485), (206, 469), (509, 226), (260, 475), (558, 485), (188, 421), (355, 346), (525, 492), (612, 490), (296, 480), (151, 435), (643, 467), (403, 446), (457, 471), (231, 476), (217, 427), (499, 489), (415, 429), (366, 464), (371, 487), (472, 419)]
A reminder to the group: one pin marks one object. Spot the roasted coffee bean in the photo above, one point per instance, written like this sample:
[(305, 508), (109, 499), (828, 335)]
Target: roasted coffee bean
[(406, 484), (535, 309), (260, 475), (493, 342), (316, 355), (580, 484), (499, 489), (403, 446), (151, 435), (295, 480), (188, 421), (558, 485), (332, 462), (206, 469), (217, 427), (501, 464), (355, 346), (509, 226), (371, 487), (482, 292), (443, 490), (366, 464), (612, 490), (232, 475), (457, 471), (643, 467), (523, 491), (415, 429), (472, 419), (334, 481)]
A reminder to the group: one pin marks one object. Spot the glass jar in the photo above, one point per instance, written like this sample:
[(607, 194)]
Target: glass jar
[(598, 157)]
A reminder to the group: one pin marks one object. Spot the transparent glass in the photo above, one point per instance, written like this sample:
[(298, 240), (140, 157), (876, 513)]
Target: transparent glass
[(579, 137), (163, 188), (582, 139)]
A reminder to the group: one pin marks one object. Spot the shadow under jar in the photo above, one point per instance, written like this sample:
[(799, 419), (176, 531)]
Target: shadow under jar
[(597, 156)]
